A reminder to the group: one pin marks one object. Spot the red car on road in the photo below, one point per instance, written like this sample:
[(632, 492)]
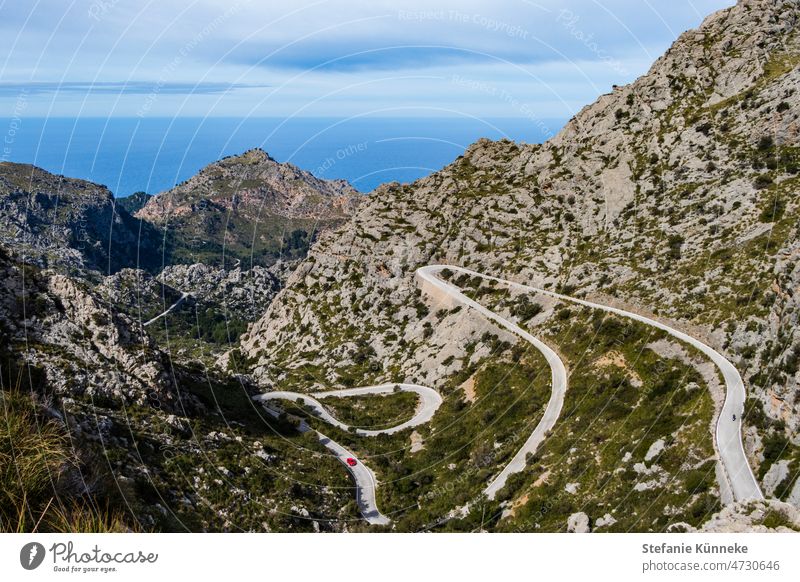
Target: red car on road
[(351, 461)]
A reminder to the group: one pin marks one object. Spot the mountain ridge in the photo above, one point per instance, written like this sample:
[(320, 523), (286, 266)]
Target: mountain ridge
[(58, 221), (249, 207)]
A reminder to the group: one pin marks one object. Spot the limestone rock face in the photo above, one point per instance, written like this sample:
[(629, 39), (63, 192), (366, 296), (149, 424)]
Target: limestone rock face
[(246, 293), (69, 224), (764, 516), (80, 342)]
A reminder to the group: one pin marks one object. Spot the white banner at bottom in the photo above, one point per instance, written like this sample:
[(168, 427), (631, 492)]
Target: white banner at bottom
[(423, 557)]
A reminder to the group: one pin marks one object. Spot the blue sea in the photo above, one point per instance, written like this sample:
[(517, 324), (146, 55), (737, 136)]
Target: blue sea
[(152, 155)]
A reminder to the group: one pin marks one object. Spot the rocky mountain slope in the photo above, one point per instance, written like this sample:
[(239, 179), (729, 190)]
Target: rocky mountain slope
[(73, 224), (78, 342), (675, 196), (80, 230), (243, 292), (250, 208), (195, 312)]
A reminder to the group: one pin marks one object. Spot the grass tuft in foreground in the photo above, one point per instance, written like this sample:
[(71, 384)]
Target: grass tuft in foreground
[(39, 473)]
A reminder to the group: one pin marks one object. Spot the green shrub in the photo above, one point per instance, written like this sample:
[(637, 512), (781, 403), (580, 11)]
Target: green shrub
[(700, 480), (762, 181), (703, 128), (564, 314), (527, 309), (765, 143), (675, 242), (775, 518), (773, 211), (774, 446)]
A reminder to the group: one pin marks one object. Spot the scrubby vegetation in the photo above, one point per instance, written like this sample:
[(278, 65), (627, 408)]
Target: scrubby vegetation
[(373, 411), (623, 398)]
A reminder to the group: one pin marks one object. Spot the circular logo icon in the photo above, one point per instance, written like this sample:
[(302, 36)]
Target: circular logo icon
[(31, 555)]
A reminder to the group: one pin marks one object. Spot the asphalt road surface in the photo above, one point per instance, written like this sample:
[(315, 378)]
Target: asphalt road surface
[(429, 276), (170, 309)]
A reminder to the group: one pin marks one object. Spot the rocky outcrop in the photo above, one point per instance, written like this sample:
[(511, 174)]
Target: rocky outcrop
[(763, 517), (70, 224), (578, 523), (137, 293), (245, 293), (83, 345)]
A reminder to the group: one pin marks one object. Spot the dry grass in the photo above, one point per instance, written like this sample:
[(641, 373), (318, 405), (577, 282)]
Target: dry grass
[(35, 462)]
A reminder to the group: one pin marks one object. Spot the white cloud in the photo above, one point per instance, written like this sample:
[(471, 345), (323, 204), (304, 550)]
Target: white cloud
[(552, 59)]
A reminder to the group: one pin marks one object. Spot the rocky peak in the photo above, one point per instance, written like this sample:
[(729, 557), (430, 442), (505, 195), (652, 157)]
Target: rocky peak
[(254, 183), (248, 207), (733, 50)]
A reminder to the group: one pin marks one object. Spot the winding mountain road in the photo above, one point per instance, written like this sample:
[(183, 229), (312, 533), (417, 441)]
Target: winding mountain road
[(429, 403), (728, 440), (728, 433), (442, 290)]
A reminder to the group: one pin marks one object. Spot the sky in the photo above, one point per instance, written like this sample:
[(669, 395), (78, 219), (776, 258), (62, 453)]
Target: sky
[(529, 59)]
